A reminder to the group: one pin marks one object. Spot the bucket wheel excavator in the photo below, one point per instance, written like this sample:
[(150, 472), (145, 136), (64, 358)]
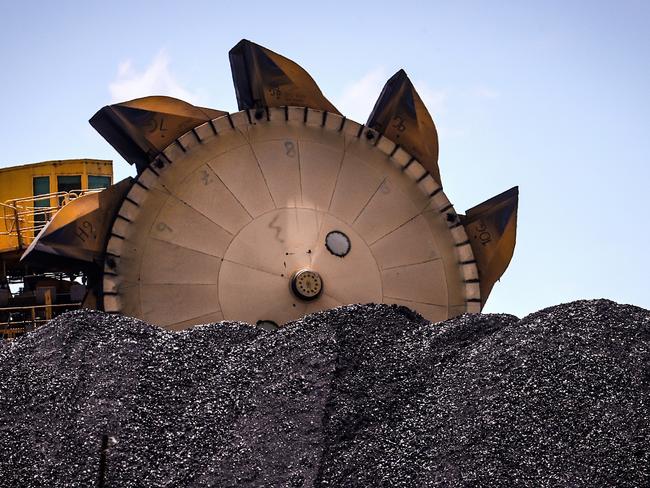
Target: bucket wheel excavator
[(281, 209)]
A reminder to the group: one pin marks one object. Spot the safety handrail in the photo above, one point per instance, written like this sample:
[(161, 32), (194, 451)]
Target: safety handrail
[(30, 307), (24, 217), (11, 329)]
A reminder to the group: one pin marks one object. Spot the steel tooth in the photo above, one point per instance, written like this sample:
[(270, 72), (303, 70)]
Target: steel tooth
[(400, 115), (492, 230), (263, 78), (85, 223), (140, 129)]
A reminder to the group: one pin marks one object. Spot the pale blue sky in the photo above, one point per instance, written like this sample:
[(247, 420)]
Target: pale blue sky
[(552, 96)]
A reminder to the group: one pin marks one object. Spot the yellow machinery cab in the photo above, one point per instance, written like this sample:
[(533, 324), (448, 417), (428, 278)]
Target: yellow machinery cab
[(30, 195)]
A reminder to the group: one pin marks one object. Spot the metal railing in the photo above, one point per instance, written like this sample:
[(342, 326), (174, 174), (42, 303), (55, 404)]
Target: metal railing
[(25, 217), (29, 317)]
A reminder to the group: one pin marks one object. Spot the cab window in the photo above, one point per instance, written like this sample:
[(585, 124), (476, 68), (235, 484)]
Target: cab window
[(41, 186), (96, 182), (67, 183)]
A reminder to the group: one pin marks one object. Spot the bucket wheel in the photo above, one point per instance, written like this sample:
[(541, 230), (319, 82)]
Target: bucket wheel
[(287, 207)]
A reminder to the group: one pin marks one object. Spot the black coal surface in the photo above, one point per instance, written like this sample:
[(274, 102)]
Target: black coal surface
[(357, 396)]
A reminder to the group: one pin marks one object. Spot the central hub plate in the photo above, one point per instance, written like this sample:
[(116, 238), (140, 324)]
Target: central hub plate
[(306, 284), (258, 277)]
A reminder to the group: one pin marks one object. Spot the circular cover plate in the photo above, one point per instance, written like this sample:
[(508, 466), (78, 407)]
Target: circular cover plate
[(307, 284), (220, 223)]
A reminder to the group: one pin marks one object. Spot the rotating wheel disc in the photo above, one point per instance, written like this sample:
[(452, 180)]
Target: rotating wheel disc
[(221, 223)]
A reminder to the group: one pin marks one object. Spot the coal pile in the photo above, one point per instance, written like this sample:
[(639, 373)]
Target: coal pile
[(368, 395)]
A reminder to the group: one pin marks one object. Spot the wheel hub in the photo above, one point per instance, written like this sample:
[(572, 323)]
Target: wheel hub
[(306, 284)]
